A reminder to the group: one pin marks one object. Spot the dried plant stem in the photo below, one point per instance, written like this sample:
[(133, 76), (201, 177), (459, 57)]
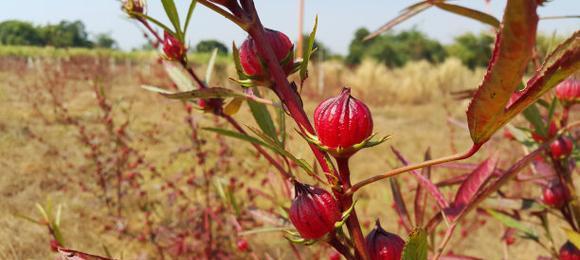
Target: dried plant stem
[(424, 164)]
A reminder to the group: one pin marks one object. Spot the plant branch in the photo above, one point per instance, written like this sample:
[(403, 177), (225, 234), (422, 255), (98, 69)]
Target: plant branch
[(223, 13), (352, 222), (424, 164), (341, 248), (445, 241)]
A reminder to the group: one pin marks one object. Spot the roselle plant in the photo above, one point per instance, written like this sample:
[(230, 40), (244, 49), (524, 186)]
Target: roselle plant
[(343, 128)]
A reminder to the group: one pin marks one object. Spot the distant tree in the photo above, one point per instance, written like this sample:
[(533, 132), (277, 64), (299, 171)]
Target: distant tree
[(395, 49), (66, 34), (19, 33), (104, 40), (357, 46), (210, 45), (473, 50)]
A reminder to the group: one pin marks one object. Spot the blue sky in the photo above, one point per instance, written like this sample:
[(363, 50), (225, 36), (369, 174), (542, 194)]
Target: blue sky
[(338, 19)]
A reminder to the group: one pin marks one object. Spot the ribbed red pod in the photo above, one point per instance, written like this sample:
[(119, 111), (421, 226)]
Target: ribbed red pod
[(569, 252), (555, 195), (568, 90), (561, 147), (250, 59), (342, 121), (172, 47), (313, 212), (382, 245)]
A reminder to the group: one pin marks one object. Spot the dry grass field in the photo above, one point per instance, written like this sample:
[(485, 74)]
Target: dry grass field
[(41, 157)]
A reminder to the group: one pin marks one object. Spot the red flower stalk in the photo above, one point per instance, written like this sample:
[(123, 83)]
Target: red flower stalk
[(251, 60), (313, 212), (342, 122), (569, 252), (555, 195), (382, 245), (561, 147), (173, 48), (568, 91)]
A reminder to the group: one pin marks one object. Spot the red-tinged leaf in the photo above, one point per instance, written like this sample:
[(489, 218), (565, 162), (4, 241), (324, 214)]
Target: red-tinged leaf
[(474, 183), (400, 205), (560, 64), (68, 254), (497, 183), (426, 183), (469, 13), (405, 14), (421, 193), (512, 52)]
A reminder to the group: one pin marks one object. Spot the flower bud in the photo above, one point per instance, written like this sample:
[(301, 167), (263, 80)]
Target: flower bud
[(569, 252), (173, 48), (242, 245), (251, 60), (568, 90), (313, 212), (342, 122), (555, 195), (561, 147), (134, 6), (382, 245)]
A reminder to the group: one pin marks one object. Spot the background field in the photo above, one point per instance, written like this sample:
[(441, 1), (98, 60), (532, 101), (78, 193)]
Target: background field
[(413, 103)]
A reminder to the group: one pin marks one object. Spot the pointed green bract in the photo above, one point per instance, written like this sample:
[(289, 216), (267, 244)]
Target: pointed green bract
[(308, 52), (263, 118), (189, 14), (416, 246)]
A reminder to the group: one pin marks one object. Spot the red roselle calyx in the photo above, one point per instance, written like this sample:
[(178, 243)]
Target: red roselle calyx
[(561, 147), (555, 195), (342, 122), (252, 62), (382, 245), (569, 252), (313, 212), (173, 48), (568, 91)]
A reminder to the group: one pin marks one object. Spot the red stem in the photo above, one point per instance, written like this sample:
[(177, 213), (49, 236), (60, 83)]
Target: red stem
[(352, 222)]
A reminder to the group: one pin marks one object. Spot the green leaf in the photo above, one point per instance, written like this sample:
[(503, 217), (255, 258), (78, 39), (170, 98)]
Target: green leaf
[(278, 148), (171, 11), (210, 66), (237, 62), (237, 135), (263, 118), (416, 246), (512, 52), (179, 75), (203, 93), (513, 223), (189, 14), (282, 125), (308, 52), (532, 114), (573, 236), (469, 13)]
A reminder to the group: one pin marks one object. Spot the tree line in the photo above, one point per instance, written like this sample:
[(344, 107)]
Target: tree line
[(60, 35), (394, 49)]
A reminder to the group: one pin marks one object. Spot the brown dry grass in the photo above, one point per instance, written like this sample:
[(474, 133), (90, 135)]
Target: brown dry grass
[(411, 103)]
